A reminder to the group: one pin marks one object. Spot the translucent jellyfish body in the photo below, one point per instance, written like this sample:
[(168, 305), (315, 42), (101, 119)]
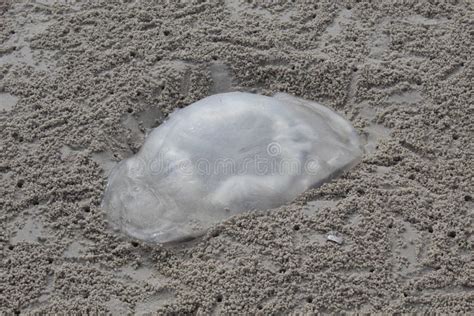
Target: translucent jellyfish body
[(224, 155)]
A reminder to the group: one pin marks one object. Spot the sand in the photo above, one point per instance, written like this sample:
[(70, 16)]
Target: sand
[(81, 83)]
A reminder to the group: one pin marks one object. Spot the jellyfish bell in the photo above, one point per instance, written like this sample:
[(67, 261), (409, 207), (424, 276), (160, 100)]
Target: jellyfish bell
[(223, 155)]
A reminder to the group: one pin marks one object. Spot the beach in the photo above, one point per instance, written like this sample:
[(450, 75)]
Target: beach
[(82, 83)]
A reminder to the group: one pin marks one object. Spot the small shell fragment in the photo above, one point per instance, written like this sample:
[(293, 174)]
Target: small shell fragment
[(334, 238)]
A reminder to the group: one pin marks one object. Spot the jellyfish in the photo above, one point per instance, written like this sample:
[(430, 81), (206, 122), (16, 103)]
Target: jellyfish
[(223, 155)]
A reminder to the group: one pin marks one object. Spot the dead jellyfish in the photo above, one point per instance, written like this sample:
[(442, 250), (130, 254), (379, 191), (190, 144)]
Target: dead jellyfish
[(224, 155)]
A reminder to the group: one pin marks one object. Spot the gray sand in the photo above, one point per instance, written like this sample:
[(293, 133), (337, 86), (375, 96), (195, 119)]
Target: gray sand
[(80, 84)]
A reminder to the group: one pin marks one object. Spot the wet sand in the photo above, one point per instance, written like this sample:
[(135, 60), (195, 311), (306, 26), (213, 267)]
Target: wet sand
[(82, 83)]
